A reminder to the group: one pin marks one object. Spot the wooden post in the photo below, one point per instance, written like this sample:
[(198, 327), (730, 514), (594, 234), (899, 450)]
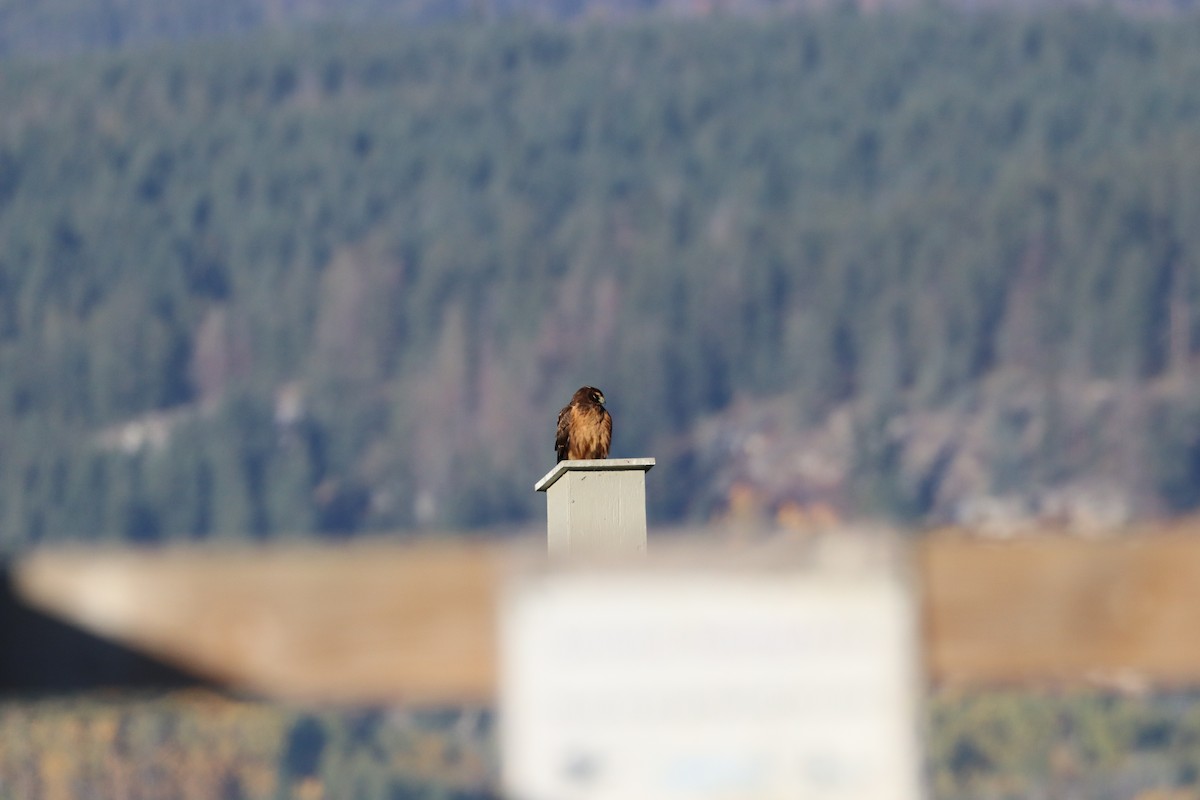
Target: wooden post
[(596, 506)]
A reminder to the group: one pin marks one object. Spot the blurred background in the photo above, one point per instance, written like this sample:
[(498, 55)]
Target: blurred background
[(302, 269)]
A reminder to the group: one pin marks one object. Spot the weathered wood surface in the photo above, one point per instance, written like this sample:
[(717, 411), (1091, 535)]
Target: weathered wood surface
[(358, 624), (1118, 611), (379, 623)]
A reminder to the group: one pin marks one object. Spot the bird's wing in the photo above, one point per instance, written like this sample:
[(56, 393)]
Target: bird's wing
[(605, 434), (562, 436)]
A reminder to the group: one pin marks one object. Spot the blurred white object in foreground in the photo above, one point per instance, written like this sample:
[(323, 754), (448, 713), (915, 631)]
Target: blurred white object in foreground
[(789, 676)]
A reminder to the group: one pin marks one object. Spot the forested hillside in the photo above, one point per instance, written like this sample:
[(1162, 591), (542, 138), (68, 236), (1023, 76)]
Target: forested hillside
[(342, 279), (51, 28)]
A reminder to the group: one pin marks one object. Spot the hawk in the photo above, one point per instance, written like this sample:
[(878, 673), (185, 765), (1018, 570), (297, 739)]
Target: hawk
[(584, 426)]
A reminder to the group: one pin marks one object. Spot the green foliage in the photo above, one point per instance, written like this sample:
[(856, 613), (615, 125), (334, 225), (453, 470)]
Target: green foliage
[(198, 745), (354, 273), (995, 745), (1012, 744)]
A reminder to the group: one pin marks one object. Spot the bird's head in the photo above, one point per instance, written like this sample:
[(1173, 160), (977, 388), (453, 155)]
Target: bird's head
[(591, 394)]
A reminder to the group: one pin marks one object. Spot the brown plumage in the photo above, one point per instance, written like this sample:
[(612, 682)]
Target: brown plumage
[(584, 426)]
